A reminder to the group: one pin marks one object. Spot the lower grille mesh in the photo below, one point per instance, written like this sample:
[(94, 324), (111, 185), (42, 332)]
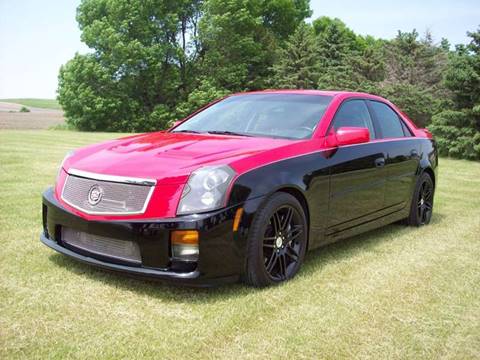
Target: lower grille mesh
[(101, 245)]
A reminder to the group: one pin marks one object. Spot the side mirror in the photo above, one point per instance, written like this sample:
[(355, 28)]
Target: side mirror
[(348, 136)]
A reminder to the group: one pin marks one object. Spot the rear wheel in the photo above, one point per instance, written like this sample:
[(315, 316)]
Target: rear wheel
[(277, 241), (422, 202)]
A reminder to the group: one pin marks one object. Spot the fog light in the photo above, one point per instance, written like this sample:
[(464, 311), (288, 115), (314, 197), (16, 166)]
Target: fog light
[(184, 245)]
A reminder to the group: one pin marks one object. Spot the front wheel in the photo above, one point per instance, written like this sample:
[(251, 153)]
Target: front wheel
[(277, 241), (422, 202)]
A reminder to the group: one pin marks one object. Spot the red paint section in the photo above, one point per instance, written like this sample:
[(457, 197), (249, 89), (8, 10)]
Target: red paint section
[(168, 158)]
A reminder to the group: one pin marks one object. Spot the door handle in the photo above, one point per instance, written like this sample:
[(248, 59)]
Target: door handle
[(380, 162), (414, 153)]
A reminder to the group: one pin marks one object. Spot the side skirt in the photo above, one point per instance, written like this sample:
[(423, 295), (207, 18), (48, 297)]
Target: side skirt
[(367, 226)]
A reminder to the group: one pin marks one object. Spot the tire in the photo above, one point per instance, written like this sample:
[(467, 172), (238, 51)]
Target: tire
[(277, 241), (422, 202)]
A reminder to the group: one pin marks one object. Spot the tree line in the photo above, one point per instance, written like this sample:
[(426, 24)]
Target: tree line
[(156, 61)]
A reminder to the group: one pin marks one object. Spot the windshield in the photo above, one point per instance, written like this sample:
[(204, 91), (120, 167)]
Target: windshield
[(292, 116)]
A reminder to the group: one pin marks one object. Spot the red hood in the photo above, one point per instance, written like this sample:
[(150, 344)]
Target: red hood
[(170, 158), (167, 157)]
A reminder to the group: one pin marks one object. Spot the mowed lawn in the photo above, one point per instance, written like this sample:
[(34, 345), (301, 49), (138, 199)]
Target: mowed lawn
[(393, 293)]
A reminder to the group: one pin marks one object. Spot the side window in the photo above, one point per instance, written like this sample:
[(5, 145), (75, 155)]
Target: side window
[(387, 121), (354, 113)]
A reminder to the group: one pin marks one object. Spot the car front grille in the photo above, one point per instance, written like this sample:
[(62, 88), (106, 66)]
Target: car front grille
[(99, 196), (100, 245)]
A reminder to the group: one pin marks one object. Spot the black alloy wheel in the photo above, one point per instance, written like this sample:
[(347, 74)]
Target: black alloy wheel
[(281, 243), (277, 241), (425, 203), (422, 203)]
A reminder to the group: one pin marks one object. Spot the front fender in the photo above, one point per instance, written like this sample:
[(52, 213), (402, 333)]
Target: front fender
[(306, 177)]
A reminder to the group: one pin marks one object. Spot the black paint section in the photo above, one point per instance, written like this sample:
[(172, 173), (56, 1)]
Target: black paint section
[(347, 190)]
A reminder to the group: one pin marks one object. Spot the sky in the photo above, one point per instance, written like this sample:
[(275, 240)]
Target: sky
[(37, 37)]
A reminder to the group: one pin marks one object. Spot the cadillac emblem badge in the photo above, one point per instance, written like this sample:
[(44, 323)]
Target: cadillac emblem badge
[(95, 195)]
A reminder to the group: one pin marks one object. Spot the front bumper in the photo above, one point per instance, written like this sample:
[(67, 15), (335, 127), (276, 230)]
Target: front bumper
[(221, 251)]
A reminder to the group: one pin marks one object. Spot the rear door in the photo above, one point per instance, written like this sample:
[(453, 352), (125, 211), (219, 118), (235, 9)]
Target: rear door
[(357, 181), (402, 150)]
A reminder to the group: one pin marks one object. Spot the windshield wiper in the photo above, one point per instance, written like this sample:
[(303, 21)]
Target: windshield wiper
[(186, 131), (218, 132)]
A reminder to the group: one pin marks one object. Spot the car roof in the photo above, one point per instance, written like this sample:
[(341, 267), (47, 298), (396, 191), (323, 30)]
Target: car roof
[(308, 92)]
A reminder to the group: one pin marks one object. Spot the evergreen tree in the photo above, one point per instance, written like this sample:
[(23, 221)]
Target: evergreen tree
[(370, 65), (296, 67), (458, 130), (413, 80), (337, 45)]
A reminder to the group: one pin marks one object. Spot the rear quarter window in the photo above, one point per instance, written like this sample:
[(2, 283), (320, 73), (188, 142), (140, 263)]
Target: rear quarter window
[(387, 121)]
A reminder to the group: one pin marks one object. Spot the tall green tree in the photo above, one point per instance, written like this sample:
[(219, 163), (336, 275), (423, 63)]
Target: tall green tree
[(337, 45), (416, 60), (458, 129), (414, 68), (141, 64), (282, 17), (154, 61), (297, 66), (336, 39), (368, 64), (240, 37)]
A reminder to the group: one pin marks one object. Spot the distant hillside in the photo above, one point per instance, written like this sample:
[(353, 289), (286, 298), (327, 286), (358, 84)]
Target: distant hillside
[(39, 103)]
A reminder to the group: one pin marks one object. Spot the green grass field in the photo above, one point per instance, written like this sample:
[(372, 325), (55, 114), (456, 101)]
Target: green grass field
[(393, 293), (39, 103)]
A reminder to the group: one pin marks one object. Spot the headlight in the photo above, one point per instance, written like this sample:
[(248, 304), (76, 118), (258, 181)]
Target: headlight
[(206, 189)]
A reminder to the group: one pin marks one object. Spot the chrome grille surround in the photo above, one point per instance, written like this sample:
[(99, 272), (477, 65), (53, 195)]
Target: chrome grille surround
[(101, 245), (119, 195)]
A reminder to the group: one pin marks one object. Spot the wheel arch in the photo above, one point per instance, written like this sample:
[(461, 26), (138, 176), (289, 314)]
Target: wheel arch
[(430, 172), (426, 166), (429, 160)]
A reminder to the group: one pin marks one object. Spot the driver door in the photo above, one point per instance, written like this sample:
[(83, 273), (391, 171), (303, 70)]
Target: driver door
[(357, 174)]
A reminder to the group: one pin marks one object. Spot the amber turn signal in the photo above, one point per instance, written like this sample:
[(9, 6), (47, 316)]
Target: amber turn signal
[(189, 237), (236, 220), (184, 245)]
